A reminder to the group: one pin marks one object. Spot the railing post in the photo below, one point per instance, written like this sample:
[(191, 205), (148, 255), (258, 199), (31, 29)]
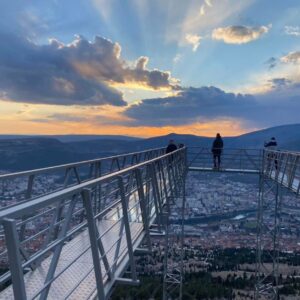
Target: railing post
[(156, 196), (143, 206), (127, 228), (98, 192), (28, 195), (58, 249), (94, 243), (161, 165), (259, 233), (15, 263)]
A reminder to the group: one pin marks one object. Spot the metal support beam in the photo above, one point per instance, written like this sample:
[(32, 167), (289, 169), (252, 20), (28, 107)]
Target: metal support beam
[(124, 203), (15, 263), (94, 243), (57, 251)]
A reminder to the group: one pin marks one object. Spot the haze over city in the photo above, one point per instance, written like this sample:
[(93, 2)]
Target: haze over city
[(147, 68)]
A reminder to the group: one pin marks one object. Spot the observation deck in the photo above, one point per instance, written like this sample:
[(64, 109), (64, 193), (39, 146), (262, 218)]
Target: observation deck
[(77, 237)]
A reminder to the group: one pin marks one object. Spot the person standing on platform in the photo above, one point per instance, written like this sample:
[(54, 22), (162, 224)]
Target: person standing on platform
[(171, 147), (271, 145), (216, 149)]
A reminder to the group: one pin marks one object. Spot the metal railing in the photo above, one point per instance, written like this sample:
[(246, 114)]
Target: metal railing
[(283, 167), (35, 183), (243, 160), (63, 245)]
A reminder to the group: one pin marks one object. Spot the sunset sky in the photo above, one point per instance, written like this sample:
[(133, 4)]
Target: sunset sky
[(148, 67)]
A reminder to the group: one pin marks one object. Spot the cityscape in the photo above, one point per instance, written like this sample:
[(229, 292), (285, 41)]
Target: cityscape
[(220, 219)]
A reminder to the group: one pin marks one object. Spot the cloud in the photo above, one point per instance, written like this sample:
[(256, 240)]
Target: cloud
[(202, 10), (292, 57), (194, 40), (208, 3), (239, 34), (271, 62), (206, 104), (101, 60), (279, 83), (62, 117), (292, 30), (188, 106), (177, 58), (79, 73)]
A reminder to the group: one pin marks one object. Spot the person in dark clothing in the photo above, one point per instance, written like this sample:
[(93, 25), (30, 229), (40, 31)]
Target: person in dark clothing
[(171, 147), (272, 156), (271, 144), (217, 148)]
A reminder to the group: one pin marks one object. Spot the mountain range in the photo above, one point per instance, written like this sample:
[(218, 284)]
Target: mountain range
[(28, 152)]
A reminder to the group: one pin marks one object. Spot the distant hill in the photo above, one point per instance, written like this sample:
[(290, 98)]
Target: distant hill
[(287, 136), (82, 138), (102, 145), (30, 153), (19, 153), (72, 137)]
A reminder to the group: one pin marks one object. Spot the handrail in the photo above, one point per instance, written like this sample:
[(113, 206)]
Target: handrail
[(68, 174), (37, 203), (72, 165), (283, 167), (137, 194), (238, 159)]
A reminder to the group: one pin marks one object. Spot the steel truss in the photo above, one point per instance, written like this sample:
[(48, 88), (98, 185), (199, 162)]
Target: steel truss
[(280, 173), (76, 241), (174, 242)]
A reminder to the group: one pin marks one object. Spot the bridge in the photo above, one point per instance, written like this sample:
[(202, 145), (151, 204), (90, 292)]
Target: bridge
[(72, 231)]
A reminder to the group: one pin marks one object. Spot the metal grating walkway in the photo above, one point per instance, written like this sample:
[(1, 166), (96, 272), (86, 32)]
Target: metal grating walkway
[(78, 281)]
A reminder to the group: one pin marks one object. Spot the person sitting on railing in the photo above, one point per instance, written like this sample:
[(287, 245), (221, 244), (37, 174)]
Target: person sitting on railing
[(171, 147), (216, 149), (271, 145)]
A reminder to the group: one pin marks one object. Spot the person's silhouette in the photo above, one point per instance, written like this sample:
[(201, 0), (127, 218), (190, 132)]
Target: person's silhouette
[(216, 149)]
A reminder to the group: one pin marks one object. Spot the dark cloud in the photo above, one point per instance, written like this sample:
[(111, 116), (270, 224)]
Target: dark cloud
[(279, 83), (45, 74), (102, 60), (271, 63), (80, 73), (192, 105)]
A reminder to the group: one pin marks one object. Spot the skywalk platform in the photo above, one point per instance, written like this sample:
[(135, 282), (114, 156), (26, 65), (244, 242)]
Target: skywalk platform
[(95, 223), (94, 229), (78, 280)]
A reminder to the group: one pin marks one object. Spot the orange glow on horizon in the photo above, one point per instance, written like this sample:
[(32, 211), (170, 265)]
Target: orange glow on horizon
[(33, 119), (226, 128)]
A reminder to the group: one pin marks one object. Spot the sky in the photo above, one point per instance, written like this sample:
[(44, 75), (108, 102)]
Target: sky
[(148, 67)]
